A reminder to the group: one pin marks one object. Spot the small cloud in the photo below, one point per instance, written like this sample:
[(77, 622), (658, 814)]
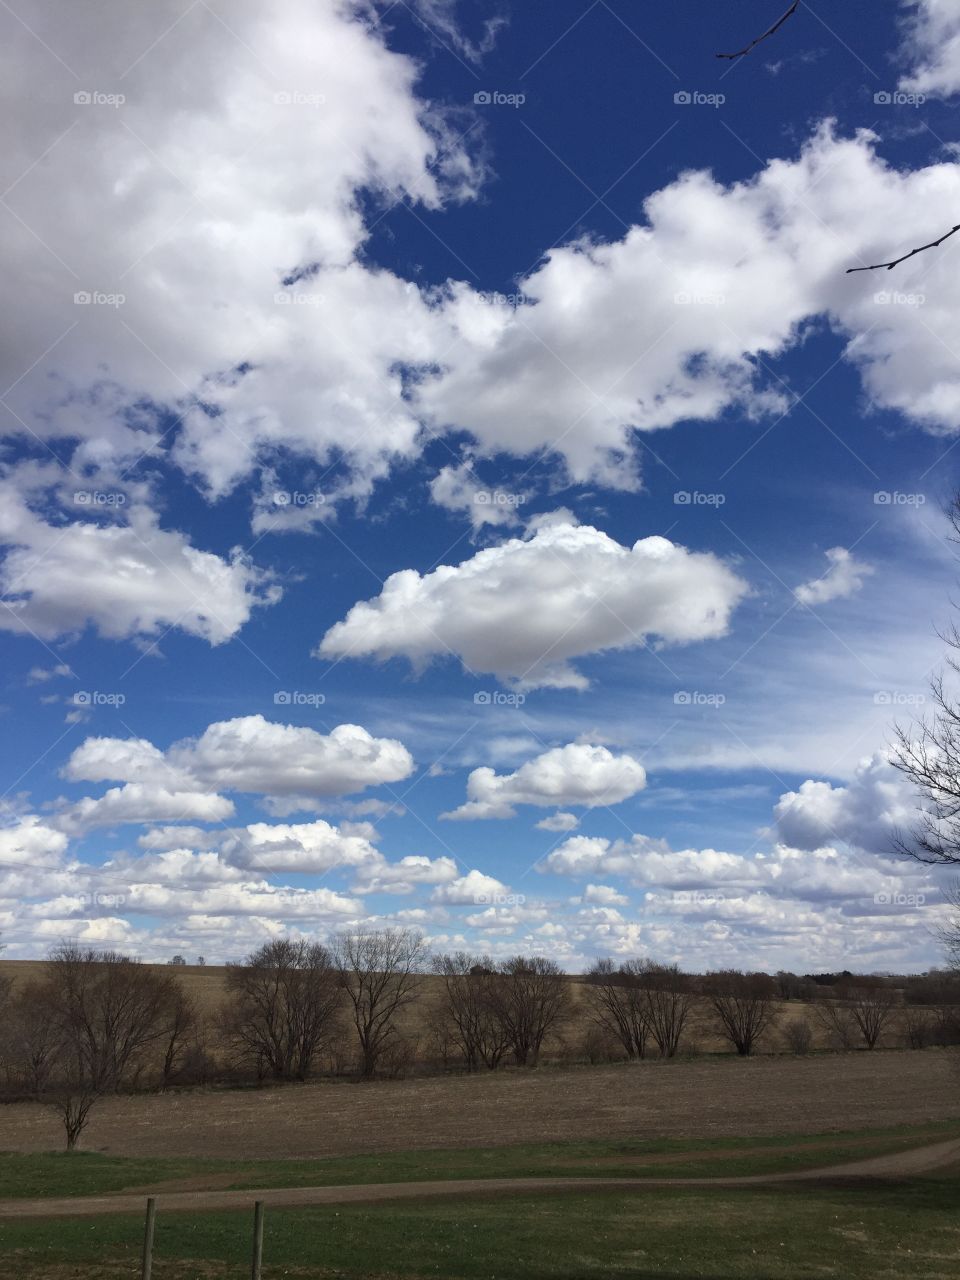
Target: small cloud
[(843, 578), (559, 821)]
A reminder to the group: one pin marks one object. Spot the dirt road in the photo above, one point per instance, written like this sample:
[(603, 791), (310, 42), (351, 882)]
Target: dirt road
[(901, 1164)]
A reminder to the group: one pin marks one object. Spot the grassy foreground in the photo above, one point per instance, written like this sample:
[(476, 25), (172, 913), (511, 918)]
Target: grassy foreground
[(866, 1231)]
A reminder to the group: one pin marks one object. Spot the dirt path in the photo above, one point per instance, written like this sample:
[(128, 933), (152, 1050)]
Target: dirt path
[(898, 1164)]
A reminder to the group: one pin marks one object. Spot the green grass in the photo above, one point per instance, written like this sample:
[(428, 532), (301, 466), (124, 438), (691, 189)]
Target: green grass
[(90, 1173), (868, 1232)]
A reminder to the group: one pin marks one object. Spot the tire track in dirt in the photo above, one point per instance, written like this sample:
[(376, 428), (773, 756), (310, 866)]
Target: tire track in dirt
[(894, 1165)]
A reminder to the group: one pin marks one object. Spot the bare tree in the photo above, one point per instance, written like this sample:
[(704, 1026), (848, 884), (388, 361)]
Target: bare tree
[(380, 972), (743, 1003), (871, 1009), (111, 1010), (34, 1037), (530, 997), (617, 1005), (928, 755), (668, 999), (798, 1036), (468, 1009), (181, 1027), (837, 1021), (281, 1006)]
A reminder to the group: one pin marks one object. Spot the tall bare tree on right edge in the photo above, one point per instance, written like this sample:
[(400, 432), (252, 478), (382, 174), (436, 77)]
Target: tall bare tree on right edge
[(928, 756)]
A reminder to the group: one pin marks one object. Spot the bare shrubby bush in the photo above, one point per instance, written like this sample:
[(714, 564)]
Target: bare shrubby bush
[(744, 1006), (872, 1009), (399, 1057), (600, 1045), (380, 973), (615, 1001), (918, 1027), (798, 1035), (94, 1024), (530, 998), (468, 1011), (638, 1001), (837, 1021), (281, 1008)]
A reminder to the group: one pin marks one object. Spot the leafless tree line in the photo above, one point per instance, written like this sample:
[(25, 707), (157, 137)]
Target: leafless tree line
[(98, 1022)]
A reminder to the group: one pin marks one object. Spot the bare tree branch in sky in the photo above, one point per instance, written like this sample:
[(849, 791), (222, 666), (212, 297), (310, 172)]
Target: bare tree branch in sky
[(934, 244), (772, 30)]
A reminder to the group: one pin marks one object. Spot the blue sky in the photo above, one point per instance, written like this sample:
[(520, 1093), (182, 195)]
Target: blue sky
[(429, 409)]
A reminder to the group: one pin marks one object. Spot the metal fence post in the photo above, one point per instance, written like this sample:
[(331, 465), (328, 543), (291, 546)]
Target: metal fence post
[(147, 1268), (257, 1240)]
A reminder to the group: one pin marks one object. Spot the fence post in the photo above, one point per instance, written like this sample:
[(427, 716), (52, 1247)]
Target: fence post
[(257, 1240), (147, 1268)]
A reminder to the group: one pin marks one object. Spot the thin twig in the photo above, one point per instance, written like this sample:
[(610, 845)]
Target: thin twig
[(934, 244), (753, 43)]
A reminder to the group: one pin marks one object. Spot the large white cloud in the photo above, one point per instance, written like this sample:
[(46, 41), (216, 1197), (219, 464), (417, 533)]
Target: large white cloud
[(579, 773), (934, 46), (523, 609), (127, 578), (866, 813), (246, 754)]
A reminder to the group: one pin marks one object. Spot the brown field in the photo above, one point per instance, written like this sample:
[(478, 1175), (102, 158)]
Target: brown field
[(206, 985), (716, 1097)]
